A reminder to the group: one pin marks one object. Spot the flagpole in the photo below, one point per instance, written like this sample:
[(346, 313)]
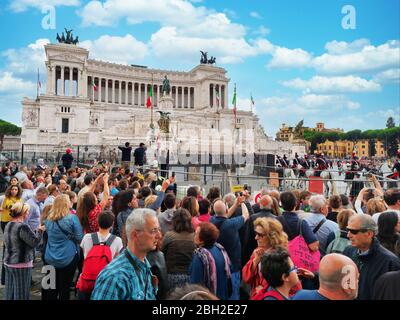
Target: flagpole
[(151, 106), (37, 85), (235, 104), (251, 102)]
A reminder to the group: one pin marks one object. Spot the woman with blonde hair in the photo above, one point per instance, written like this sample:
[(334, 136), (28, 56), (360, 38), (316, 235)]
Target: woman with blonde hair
[(20, 241), (270, 236), (62, 250), (375, 205), (338, 240)]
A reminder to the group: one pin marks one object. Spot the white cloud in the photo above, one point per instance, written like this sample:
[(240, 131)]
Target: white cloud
[(385, 114), (341, 47), (262, 31), (123, 50), (11, 85), (320, 84), (245, 105), (290, 58), (185, 29), (275, 110), (214, 25), (22, 5), (166, 12), (167, 43), (343, 58), (255, 14), (388, 76), (26, 61), (368, 58)]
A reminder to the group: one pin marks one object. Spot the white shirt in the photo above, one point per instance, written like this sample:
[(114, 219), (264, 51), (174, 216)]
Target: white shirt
[(376, 215), (87, 244)]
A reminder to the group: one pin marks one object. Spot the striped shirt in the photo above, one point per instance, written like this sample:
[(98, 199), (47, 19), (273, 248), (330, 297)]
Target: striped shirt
[(120, 281)]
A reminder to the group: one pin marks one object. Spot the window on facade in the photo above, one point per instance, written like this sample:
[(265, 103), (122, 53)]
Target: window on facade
[(65, 126)]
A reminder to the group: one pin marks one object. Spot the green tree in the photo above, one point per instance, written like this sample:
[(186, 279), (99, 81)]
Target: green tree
[(7, 128), (390, 123)]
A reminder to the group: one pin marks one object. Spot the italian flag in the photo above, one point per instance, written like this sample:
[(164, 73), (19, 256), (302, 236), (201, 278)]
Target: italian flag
[(234, 101), (149, 97), (94, 85)]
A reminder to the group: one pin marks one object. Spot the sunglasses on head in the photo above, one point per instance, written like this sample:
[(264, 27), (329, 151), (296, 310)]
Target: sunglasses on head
[(356, 231)]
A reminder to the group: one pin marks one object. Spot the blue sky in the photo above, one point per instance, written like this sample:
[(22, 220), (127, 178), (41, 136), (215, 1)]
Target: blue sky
[(294, 56)]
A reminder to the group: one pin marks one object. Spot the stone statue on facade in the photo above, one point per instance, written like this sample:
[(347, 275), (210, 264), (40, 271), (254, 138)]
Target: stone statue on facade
[(166, 87), (205, 60), (69, 39), (164, 121), (211, 60), (94, 119), (298, 132)]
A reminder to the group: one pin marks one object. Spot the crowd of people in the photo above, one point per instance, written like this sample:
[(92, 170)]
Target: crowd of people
[(116, 234)]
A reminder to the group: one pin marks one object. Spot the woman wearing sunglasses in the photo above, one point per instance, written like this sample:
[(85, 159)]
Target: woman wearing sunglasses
[(270, 237)]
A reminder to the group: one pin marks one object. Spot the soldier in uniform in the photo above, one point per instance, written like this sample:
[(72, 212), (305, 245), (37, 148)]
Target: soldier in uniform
[(285, 161), (321, 164), (396, 171), (305, 165)]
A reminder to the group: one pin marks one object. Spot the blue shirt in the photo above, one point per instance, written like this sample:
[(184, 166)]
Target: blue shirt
[(35, 209), (119, 280), (61, 249), (323, 232), (308, 295), (229, 238), (292, 221)]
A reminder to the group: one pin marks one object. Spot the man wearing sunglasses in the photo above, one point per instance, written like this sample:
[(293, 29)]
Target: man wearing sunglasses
[(371, 258)]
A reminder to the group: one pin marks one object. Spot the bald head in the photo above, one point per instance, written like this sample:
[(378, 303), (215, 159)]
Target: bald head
[(219, 208), (338, 275), (275, 194), (266, 202)]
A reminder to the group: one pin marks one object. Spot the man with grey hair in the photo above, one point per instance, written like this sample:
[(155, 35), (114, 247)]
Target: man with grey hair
[(338, 280), (371, 258), (229, 199), (128, 277), (317, 221)]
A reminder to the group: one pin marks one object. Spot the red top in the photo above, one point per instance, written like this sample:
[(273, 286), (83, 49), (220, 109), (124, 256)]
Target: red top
[(255, 279), (204, 217), (93, 219)]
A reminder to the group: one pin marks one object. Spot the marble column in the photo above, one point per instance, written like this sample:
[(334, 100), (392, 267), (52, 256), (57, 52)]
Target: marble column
[(113, 91), (70, 81), (62, 81), (126, 93), (139, 94), (119, 92), (106, 88)]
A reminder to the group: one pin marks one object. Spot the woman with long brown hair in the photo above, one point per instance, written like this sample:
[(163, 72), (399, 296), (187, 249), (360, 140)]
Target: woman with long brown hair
[(89, 209), (191, 205)]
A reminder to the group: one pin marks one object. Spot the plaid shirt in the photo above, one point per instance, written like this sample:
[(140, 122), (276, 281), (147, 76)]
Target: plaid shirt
[(119, 280)]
